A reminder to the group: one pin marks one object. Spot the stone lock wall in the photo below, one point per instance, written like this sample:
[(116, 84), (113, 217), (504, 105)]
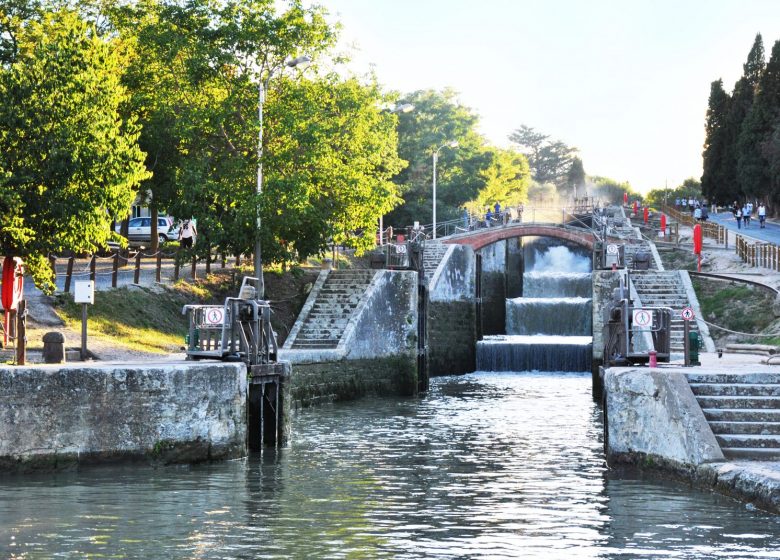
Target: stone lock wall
[(377, 354), (494, 288), (58, 416), (452, 320)]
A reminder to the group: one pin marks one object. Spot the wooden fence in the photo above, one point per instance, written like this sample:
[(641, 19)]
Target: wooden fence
[(120, 261), (758, 253), (708, 229)]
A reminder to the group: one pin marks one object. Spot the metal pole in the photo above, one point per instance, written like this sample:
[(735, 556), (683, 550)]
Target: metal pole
[(83, 332), (435, 157), (258, 246), (686, 343)]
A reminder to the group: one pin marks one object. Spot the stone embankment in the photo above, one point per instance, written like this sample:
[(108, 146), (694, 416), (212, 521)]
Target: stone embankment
[(59, 416), (708, 425)]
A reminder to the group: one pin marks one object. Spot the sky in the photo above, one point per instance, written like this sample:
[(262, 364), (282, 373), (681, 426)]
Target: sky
[(625, 81)]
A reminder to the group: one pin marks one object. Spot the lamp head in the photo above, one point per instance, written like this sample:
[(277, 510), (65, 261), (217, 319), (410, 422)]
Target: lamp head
[(403, 108), (297, 61), (453, 144)]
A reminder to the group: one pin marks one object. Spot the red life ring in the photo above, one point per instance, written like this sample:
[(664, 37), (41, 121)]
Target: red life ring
[(13, 283)]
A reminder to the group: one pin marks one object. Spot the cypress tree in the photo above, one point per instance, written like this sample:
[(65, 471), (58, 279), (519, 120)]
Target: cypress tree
[(754, 166), (714, 179)]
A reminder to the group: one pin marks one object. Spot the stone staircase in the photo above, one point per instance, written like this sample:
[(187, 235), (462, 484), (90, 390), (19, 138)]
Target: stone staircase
[(630, 251), (743, 411), (329, 314), (660, 288), (432, 256)]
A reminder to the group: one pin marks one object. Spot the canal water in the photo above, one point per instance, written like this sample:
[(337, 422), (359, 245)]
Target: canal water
[(487, 465)]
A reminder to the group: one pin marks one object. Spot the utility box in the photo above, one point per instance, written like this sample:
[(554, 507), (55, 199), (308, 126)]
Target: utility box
[(84, 292), (694, 343)]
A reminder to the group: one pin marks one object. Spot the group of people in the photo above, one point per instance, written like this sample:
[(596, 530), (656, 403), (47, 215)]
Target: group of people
[(744, 213), (697, 208)]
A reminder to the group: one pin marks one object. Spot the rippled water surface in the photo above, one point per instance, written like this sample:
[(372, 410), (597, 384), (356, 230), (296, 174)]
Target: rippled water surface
[(484, 466)]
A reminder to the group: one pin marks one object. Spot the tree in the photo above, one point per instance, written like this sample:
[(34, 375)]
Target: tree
[(438, 118), (549, 160), (506, 181), (611, 191), (195, 85), (576, 178), (714, 180), (68, 161)]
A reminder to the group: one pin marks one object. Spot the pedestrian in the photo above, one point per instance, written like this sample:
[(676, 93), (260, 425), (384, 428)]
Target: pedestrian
[(761, 215), (704, 213), (187, 234), (697, 214), (676, 202), (746, 215), (497, 208), (488, 217), (738, 216)]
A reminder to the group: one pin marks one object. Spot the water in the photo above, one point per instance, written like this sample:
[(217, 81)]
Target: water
[(486, 465), (549, 328)]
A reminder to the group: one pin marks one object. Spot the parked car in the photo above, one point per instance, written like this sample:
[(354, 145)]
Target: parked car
[(139, 231)]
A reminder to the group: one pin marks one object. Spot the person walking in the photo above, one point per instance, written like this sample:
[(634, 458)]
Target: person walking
[(746, 215), (187, 234), (738, 216), (761, 215)]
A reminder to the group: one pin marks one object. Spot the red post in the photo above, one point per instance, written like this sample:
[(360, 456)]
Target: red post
[(646, 214), (663, 225), (653, 358), (697, 243)]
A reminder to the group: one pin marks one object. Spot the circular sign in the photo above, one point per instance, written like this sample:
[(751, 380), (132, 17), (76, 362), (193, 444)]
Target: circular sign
[(612, 249), (687, 313), (214, 316), (643, 318)]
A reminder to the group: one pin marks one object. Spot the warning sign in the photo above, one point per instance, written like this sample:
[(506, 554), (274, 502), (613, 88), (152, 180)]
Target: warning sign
[(214, 316), (643, 318), (687, 313), (612, 249)]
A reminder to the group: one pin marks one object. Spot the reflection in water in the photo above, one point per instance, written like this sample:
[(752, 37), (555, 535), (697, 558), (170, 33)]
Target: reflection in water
[(484, 466)]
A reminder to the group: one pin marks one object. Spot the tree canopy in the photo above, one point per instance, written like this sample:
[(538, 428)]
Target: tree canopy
[(69, 161)]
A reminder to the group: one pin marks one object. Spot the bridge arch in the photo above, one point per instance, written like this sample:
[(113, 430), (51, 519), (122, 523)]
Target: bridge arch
[(480, 238)]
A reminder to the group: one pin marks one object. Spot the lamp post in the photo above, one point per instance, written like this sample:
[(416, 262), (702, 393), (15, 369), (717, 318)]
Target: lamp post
[(262, 87), (452, 144), (402, 108)]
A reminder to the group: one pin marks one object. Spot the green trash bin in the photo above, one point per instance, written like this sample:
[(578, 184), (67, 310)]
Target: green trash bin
[(694, 343)]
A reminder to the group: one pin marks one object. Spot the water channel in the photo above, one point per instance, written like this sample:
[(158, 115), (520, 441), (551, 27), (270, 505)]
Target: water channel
[(486, 465)]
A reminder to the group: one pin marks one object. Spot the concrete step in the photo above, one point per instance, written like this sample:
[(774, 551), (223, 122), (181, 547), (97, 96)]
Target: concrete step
[(300, 344), (733, 377), (762, 428), (751, 454), (749, 441), (741, 415), (739, 402), (736, 390)]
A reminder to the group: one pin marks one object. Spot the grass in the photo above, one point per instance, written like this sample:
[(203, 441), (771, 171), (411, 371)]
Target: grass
[(737, 307), (137, 319)]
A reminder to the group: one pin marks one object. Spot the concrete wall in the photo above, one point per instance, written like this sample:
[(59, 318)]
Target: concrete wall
[(377, 354), (452, 320), (604, 282), (514, 267), (57, 416), (652, 415), (494, 288)]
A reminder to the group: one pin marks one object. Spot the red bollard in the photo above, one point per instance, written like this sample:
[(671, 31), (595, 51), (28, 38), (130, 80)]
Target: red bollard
[(653, 359)]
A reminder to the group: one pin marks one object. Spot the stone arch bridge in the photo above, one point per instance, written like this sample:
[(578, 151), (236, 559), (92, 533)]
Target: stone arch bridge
[(480, 238)]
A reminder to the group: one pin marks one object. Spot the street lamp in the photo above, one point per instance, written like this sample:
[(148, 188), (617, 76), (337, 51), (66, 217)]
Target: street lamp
[(452, 144), (262, 87), (402, 108)]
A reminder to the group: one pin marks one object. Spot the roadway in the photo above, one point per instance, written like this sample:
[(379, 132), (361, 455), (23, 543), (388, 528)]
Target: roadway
[(771, 233)]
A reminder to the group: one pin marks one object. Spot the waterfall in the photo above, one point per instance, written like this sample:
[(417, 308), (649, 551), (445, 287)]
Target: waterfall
[(566, 316), (550, 327)]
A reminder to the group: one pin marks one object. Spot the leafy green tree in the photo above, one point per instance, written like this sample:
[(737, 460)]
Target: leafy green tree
[(506, 181), (437, 119), (714, 178), (610, 191), (195, 88), (68, 160)]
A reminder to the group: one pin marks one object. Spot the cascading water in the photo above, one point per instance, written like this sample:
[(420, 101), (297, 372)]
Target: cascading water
[(549, 329)]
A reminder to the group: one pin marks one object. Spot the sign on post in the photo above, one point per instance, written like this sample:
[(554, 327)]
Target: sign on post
[(85, 295), (687, 314), (643, 319)]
